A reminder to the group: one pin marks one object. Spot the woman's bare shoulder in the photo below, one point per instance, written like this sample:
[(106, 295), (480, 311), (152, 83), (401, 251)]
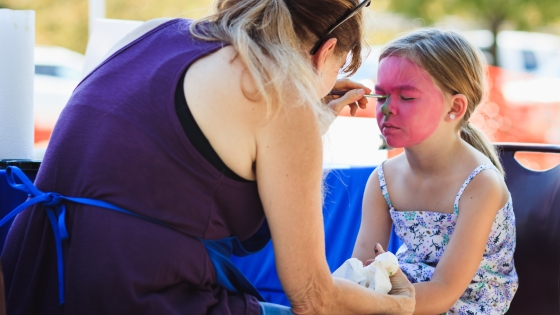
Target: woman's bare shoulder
[(222, 76), (218, 92)]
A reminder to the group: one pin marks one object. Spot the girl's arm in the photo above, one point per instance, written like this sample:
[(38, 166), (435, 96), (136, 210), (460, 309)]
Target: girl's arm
[(376, 221), (479, 204)]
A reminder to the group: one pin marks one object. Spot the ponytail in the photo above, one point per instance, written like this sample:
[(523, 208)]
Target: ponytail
[(478, 140)]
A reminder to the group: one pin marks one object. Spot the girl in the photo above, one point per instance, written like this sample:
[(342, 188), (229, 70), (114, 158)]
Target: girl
[(445, 195)]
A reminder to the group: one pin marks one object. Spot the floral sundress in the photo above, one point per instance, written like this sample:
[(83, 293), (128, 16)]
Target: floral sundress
[(425, 235)]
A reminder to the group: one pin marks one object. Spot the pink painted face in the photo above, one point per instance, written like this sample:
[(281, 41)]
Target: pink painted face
[(414, 106)]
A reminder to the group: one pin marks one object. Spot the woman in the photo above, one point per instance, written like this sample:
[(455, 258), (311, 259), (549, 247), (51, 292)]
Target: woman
[(200, 130)]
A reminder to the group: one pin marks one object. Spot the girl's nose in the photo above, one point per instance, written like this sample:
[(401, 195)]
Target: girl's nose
[(386, 109)]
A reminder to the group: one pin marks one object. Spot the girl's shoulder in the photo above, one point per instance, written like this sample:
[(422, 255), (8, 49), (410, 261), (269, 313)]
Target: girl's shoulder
[(484, 192), (394, 165), (486, 177)]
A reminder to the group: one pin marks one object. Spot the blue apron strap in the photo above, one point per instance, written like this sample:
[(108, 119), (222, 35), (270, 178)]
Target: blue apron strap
[(255, 243), (56, 213), (227, 273), (275, 309)]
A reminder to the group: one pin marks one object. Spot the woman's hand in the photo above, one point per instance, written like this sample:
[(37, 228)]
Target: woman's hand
[(353, 98), (404, 291)]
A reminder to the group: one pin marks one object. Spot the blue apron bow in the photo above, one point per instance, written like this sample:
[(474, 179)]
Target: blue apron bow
[(228, 275)]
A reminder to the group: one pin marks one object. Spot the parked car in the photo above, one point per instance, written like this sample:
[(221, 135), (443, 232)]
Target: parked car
[(528, 52)]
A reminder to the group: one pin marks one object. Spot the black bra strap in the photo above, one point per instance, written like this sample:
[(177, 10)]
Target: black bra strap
[(195, 135)]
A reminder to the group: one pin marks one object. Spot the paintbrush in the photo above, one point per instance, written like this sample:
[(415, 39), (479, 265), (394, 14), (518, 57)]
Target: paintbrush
[(339, 92)]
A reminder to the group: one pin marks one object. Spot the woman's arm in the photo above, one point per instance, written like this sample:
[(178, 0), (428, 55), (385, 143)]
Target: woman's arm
[(480, 202), (289, 174), (376, 221)]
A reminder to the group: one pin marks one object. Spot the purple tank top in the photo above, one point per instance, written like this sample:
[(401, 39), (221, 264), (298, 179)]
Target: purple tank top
[(119, 140)]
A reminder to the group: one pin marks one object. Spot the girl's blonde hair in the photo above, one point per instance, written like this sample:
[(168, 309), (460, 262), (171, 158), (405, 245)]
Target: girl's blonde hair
[(457, 67), (273, 38)]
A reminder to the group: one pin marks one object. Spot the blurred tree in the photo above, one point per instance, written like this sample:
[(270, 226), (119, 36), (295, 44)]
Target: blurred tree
[(523, 14), (57, 22), (65, 22), (149, 9)]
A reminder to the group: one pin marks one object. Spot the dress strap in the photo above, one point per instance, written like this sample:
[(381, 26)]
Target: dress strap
[(383, 185), (471, 176)]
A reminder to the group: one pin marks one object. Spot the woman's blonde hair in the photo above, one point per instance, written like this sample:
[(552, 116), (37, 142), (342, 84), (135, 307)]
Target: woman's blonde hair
[(457, 67), (273, 38)]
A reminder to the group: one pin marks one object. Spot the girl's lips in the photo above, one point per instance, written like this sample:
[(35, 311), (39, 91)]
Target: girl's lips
[(389, 126)]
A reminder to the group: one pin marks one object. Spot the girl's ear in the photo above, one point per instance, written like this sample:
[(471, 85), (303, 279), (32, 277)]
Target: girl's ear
[(320, 58), (459, 104)]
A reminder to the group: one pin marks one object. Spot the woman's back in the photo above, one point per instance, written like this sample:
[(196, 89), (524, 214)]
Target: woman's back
[(119, 140)]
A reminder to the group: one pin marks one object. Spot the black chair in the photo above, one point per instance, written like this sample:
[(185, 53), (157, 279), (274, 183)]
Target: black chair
[(536, 203), (9, 199), (2, 293)]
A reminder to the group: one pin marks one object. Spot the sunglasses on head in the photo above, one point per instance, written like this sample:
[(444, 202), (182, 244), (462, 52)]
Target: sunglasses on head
[(364, 3)]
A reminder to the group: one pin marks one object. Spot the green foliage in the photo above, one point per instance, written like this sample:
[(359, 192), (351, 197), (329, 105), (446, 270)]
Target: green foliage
[(522, 14), (65, 22)]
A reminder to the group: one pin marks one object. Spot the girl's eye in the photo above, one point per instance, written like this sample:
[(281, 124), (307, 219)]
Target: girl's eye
[(407, 98)]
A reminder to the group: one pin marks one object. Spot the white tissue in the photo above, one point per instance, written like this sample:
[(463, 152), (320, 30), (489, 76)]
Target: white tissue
[(353, 270), (374, 276), (17, 42), (388, 261)]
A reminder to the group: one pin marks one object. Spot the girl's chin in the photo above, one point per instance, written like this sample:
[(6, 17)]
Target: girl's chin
[(394, 144), (398, 143), (392, 140)]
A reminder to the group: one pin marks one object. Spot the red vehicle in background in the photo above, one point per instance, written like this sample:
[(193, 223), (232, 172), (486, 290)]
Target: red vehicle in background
[(57, 72)]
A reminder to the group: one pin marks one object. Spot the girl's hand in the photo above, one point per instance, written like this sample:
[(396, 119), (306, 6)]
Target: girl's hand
[(401, 287), (353, 98), (378, 249)]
